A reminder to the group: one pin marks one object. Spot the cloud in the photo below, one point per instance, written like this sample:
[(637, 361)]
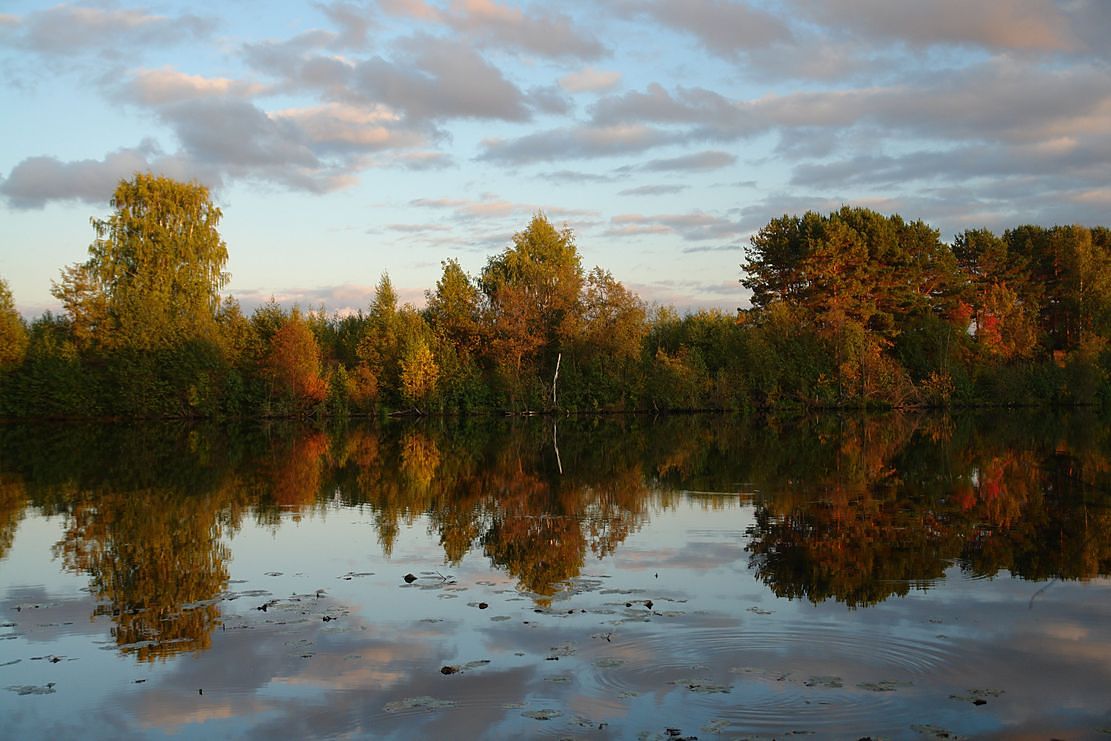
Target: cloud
[(354, 21), (576, 176), (153, 87), (296, 62), (724, 28), (704, 114), (998, 100), (688, 296), (653, 190), (69, 30), (420, 159), (488, 23), (550, 100), (575, 142), (693, 226), (36, 181), (491, 206), (438, 79), (590, 80), (698, 161), (341, 127), (1003, 25)]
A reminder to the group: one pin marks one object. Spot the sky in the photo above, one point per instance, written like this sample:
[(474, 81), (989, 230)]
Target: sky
[(347, 139)]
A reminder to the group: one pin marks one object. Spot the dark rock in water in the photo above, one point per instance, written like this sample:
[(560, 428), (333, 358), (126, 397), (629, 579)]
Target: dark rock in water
[(979, 701), (482, 605), (409, 578), (648, 603), (449, 670)]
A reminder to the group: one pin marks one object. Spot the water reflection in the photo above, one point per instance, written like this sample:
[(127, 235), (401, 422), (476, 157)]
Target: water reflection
[(849, 509)]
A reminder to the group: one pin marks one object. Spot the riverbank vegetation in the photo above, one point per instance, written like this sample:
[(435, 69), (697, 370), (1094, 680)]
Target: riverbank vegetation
[(848, 309)]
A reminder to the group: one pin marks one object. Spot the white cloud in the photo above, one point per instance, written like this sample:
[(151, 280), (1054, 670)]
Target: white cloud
[(590, 80)]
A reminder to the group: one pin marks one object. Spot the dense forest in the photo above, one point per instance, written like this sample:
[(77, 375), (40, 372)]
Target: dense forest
[(849, 309)]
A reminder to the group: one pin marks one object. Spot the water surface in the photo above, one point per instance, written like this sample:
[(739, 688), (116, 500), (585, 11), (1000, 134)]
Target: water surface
[(896, 576)]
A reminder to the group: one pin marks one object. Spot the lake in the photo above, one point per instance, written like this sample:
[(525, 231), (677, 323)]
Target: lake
[(901, 576)]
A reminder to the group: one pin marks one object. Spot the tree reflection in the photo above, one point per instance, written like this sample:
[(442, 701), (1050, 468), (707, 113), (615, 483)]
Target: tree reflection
[(13, 501), (850, 509), (897, 508), (146, 511)]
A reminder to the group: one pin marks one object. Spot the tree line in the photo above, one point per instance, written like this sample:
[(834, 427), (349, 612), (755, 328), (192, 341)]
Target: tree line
[(848, 309)]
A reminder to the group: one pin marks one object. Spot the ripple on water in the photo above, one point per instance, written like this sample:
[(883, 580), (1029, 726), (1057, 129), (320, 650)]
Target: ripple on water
[(777, 679)]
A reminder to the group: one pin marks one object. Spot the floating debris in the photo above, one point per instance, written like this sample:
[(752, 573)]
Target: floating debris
[(608, 662), (32, 689), (418, 703), (715, 726), (978, 696), (459, 668), (934, 731), (759, 611), (703, 686), (824, 681), (500, 618), (542, 714), (883, 685)]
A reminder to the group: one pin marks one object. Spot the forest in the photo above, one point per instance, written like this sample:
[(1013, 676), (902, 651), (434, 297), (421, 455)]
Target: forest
[(849, 309)]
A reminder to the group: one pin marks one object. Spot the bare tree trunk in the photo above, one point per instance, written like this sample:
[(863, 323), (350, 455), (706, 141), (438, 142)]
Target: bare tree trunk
[(555, 378), (555, 444)]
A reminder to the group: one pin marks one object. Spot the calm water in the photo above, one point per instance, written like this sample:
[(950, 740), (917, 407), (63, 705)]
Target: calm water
[(696, 576)]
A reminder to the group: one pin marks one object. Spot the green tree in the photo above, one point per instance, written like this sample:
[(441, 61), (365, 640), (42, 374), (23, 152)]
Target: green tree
[(454, 308), (379, 350), (13, 333), (532, 292), (155, 269)]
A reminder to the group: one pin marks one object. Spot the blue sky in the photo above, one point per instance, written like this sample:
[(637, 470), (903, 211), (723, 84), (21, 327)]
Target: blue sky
[(344, 139)]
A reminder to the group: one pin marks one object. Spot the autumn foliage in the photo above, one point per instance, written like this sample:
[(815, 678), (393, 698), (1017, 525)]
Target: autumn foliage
[(847, 309)]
